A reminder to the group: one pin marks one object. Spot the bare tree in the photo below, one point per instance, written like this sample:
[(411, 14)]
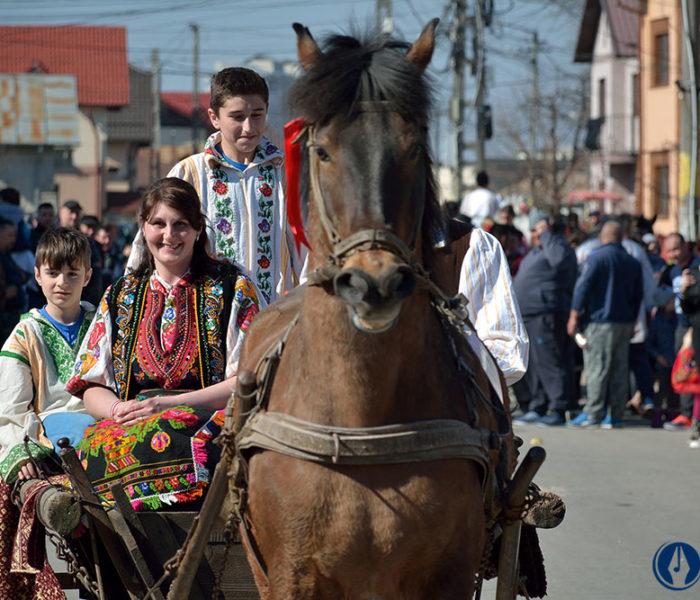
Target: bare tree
[(561, 124)]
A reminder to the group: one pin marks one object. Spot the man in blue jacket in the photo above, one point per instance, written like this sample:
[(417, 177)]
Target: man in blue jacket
[(543, 286), (606, 298)]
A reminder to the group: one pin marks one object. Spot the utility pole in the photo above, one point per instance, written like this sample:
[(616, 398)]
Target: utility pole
[(534, 100), (155, 95), (689, 122), (195, 89), (385, 22), (457, 101), (479, 70)]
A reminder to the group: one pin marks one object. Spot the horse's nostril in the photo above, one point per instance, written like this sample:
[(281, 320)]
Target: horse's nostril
[(399, 284), (351, 285)]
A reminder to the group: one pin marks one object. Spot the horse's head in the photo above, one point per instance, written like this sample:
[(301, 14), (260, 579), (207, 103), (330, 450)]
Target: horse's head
[(367, 170)]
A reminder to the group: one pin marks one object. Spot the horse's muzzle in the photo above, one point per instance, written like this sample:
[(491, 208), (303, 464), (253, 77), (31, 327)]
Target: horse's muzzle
[(374, 301)]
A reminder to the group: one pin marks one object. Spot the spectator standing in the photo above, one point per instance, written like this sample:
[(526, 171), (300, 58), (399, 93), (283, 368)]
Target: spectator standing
[(10, 210), (15, 279), (45, 220), (544, 286), (112, 259), (661, 348), (653, 249), (481, 203), (69, 215), (680, 259), (606, 300)]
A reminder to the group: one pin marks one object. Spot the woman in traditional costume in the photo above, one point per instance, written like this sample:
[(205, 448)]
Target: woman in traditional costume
[(158, 364)]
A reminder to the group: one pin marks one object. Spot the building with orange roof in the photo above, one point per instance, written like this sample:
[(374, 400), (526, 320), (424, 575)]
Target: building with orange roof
[(96, 58)]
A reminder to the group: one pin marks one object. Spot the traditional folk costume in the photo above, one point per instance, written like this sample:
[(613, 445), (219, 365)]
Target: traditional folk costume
[(246, 214), (36, 361), (150, 338)]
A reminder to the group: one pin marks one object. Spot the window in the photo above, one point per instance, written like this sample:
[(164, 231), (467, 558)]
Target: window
[(660, 191), (659, 31), (601, 98)]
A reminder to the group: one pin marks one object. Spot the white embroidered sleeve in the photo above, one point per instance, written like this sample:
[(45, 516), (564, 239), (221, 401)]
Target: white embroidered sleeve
[(486, 283)]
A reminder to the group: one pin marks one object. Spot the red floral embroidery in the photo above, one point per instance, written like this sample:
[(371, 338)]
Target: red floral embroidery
[(264, 262), (266, 190), (220, 187), (97, 334)]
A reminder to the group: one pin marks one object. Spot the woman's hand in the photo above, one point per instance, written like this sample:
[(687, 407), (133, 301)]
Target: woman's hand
[(132, 412)]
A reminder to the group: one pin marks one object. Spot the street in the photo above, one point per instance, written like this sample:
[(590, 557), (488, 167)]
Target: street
[(627, 492)]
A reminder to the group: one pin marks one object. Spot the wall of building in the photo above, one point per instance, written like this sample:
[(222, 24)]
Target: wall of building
[(660, 113), (87, 184), (612, 168)]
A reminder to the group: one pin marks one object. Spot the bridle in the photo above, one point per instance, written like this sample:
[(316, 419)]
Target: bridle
[(365, 239)]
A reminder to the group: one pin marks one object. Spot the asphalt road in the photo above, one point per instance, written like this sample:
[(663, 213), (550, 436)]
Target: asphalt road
[(627, 492)]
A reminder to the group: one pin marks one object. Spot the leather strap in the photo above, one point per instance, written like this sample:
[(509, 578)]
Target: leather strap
[(400, 443)]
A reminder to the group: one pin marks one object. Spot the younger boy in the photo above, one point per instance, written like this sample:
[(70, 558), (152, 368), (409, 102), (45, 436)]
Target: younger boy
[(239, 181), (37, 359)]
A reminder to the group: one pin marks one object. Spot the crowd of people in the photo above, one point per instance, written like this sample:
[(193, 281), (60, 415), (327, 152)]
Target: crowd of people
[(606, 305)]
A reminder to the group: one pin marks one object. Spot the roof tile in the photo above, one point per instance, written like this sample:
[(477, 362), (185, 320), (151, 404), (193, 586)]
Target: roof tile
[(95, 55)]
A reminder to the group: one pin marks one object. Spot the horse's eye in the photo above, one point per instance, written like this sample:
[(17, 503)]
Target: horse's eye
[(323, 156), (414, 152)]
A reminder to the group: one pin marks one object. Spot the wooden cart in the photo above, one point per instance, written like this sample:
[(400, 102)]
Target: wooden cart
[(125, 554)]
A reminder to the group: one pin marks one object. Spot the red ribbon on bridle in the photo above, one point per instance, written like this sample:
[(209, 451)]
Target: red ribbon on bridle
[(292, 165)]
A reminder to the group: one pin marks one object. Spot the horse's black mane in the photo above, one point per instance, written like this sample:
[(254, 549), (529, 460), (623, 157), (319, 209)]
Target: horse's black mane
[(365, 69), (352, 70)]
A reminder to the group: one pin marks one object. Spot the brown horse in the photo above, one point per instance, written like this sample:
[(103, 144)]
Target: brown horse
[(369, 354)]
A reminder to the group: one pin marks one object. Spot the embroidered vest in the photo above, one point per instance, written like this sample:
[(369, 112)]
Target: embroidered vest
[(213, 302)]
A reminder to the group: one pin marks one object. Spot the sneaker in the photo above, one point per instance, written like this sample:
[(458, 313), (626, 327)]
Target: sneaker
[(647, 407), (583, 420), (680, 423), (554, 419), (610, 423), (529, 417)]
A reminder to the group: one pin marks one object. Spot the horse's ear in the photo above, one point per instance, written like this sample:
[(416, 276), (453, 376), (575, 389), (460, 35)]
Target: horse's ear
[(307, 49), (422, 50), (653, 220)]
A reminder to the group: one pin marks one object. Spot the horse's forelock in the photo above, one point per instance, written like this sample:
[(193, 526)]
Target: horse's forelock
[(353, 70), (369, 69)]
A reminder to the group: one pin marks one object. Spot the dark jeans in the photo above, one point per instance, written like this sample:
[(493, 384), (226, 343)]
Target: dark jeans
[(639, 365), (666, 396), (550, 369)]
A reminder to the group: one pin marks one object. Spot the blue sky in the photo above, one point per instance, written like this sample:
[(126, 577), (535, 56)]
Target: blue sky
[(232, 31)]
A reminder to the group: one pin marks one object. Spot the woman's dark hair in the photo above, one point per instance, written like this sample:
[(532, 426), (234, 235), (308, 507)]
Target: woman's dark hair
[(180, 196)]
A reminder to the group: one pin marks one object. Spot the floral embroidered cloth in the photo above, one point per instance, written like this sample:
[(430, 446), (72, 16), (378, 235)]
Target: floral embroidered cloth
[(36, 362), (166, 459), (152, 338), (247, 214), (31, 579), (124, 349)]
